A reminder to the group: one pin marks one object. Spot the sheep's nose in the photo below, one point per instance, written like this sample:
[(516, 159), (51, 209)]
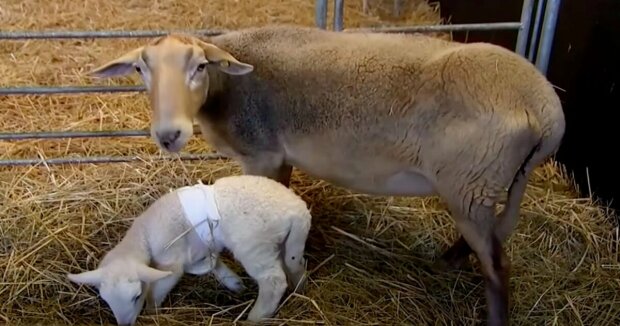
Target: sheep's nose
[(167, 138)]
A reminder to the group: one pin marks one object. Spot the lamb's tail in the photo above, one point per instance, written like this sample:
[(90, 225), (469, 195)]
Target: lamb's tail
[(293, 251)]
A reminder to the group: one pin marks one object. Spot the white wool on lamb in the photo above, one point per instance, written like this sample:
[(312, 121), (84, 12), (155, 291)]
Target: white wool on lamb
[(263, 223)]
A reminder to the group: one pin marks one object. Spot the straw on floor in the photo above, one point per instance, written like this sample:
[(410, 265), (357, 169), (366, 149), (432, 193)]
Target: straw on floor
[(370, 257)]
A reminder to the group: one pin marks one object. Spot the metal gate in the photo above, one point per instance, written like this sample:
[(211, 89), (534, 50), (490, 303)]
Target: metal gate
[(534, 42)]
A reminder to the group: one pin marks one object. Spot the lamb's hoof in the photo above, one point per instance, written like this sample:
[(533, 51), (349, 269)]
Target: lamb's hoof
[(256, 317), (234, 284), (300, 286)]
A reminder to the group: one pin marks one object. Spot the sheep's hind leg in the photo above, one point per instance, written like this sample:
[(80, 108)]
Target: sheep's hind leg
[(456, 256), (476, 222)]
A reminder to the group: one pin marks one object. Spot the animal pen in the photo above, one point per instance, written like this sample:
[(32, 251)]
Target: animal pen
[(369, 256)]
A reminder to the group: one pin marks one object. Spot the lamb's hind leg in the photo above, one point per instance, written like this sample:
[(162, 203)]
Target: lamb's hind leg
[(264, 265)]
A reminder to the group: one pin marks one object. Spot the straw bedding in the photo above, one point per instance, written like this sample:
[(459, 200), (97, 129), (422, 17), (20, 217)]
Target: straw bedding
[(369, 256)]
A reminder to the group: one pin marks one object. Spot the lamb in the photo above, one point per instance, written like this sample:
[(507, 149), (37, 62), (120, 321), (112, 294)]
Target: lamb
[(383, 114), (262, 222)]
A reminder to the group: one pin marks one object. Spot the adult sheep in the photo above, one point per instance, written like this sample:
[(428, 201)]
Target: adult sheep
[(382, 114)]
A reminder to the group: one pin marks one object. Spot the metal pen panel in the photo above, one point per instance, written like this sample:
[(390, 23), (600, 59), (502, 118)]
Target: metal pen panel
[(321, 6)]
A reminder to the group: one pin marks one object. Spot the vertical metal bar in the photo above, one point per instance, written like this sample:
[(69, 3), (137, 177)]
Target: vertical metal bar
[(320, 7), (524, 31), (536, 30), (338, 15), (548, 32)]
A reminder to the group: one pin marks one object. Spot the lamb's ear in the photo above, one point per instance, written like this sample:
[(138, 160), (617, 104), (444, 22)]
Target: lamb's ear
[(148, 274), (121, 66), (224, 60), (91, 277)]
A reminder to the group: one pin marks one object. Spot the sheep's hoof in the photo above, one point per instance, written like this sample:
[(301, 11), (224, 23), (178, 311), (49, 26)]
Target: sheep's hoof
[(446, 264)]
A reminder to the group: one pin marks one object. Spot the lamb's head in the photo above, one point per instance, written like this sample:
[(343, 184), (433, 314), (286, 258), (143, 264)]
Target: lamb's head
[(123, 286), (174, 69)]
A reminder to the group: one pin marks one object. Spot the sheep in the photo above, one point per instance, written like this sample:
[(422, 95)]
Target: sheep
[(263, 223), (376, 113)]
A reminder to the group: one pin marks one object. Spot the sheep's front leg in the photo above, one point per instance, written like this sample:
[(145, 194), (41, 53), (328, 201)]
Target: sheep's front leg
[(268, 165), (159, 290)]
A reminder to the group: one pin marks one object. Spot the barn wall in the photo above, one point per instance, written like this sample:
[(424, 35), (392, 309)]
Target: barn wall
[(585, 63)]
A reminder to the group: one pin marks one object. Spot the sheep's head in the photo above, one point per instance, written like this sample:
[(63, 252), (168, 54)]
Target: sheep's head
[(174, 71), (122, 286)]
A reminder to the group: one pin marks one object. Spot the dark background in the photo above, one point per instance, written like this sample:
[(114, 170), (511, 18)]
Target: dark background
[(584, 64)]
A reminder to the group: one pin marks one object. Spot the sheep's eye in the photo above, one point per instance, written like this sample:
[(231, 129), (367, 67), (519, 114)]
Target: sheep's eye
[(138, 69), (201, 67)]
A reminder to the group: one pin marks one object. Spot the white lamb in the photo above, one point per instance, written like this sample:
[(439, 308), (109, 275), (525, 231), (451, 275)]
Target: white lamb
[(263, 223)]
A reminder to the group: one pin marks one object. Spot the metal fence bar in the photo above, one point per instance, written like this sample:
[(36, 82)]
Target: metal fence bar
[(32, 90), (108, 159), (548, 33), (26, 35), (536, 30), (79, 134), (524, 31), (338, 15), (441, 28), (320, 7)]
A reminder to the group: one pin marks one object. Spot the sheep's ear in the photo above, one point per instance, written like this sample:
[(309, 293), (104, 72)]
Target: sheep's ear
[(124, 65), (224, 60), (148, 274), (91, 277)]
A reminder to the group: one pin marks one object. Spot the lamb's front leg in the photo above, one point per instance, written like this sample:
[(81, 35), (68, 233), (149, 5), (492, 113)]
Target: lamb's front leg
[(158, 290), (228, 277), (268, 165)]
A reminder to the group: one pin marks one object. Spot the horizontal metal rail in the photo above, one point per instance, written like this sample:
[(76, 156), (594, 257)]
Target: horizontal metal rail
[(32, 90), (79, 134), (73, 134), (440, 28), (108, 159), (44, 35)]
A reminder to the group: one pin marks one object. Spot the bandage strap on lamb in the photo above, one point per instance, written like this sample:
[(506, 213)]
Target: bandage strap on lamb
[(200, 209)]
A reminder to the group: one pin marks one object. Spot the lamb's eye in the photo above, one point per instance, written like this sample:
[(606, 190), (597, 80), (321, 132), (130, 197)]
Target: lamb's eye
[(201, 67), (135, 299), (138, 69)]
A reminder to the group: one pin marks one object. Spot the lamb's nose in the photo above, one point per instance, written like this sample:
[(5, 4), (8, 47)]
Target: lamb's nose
[(167, 138)]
